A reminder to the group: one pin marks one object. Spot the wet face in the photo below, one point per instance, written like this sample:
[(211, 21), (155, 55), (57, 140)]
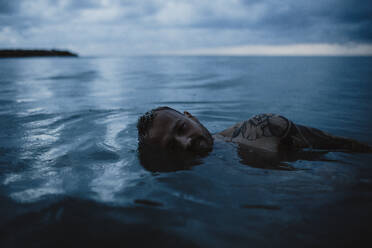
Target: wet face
[(182, 132)]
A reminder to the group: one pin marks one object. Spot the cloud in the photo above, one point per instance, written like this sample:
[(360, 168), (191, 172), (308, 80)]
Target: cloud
[(150, 26), (8, 7)]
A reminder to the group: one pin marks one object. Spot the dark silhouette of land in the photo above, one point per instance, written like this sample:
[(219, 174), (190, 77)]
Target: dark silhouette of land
[(19, 53)]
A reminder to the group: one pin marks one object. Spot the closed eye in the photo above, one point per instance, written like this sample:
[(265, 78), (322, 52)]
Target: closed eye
[(182, 128)]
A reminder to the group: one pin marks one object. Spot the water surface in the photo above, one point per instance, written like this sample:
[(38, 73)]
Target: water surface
[(69, 168)]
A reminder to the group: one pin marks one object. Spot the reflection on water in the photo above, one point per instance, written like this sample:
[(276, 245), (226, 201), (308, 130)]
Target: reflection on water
[(69, 161), (279, 161), (156, 159)]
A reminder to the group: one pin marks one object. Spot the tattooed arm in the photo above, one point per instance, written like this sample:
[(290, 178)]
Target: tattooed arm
[(272, 132)]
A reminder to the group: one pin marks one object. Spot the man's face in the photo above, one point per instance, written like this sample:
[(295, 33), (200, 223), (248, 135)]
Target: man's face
[(181, 132)]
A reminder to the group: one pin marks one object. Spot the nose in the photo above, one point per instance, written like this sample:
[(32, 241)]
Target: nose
[(187, 138), (184, 141)]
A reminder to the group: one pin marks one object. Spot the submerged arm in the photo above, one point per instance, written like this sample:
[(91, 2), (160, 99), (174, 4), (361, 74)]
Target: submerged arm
[(308, 137)]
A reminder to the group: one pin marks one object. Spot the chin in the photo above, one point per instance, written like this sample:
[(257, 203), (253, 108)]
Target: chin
[(204, 147)]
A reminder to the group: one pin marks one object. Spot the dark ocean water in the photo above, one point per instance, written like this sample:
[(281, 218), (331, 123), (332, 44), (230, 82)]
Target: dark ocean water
[(70, 173)]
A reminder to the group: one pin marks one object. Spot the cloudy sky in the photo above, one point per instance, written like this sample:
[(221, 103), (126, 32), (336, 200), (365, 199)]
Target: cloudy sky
[(114, 27)]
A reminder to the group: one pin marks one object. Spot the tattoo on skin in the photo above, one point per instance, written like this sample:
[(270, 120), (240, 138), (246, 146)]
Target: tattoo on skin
[(241, 130), (261, 126)]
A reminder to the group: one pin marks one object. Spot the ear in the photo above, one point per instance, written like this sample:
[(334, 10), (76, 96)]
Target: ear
[(187, 114)]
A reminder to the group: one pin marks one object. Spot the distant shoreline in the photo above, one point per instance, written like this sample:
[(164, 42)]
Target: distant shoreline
[(21, 53)]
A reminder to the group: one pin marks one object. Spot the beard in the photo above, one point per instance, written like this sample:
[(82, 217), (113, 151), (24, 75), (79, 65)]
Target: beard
[(202, 144)]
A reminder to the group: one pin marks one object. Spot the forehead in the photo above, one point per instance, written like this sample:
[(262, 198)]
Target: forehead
[(163, 122)]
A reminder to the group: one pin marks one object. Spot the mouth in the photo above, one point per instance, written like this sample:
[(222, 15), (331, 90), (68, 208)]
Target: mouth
[(200, 145)]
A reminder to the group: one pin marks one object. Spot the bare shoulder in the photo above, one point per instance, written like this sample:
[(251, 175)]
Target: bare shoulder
[(258, 126), (259, 130)]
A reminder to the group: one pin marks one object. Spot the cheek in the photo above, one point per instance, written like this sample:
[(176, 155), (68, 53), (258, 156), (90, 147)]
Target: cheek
[(196, 125), (207, 134)]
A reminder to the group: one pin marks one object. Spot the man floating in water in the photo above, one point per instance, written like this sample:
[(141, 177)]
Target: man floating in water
[(166, 129)]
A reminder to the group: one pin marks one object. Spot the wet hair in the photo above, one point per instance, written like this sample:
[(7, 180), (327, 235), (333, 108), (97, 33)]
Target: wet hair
[(146, 121)]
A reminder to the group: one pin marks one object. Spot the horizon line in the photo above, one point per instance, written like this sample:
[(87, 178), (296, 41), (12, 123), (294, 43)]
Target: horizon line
[(319, 49)]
